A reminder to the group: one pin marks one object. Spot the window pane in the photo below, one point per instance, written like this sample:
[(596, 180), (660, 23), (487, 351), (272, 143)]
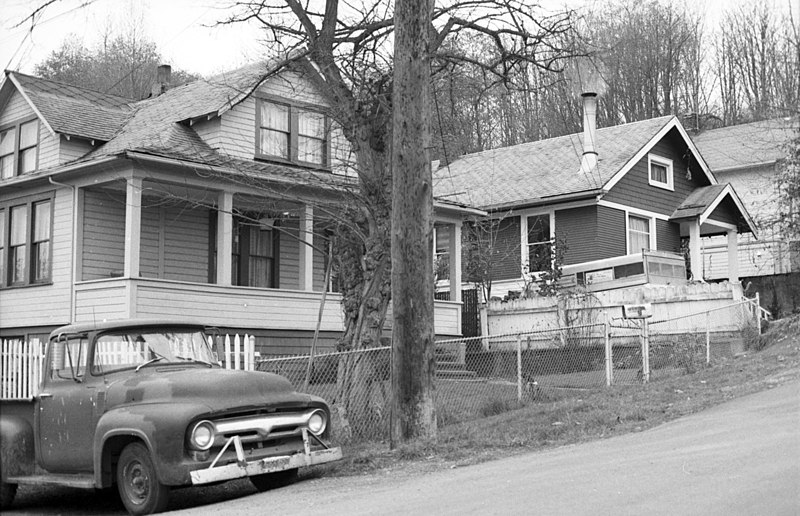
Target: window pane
[(260, 242), (41, 221), (658, 173), (19, 221), (2, 267), (18, 264), (275, 116), (311, 124), (2, 228), (7, 166), (274, 143), (310, 150), (538, 229), (27, 160), (638, 234), (28, 134), (41, 264), (2, 248), (7, 142)]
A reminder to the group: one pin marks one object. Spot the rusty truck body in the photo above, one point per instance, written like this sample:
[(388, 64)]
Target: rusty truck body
[(145, 406)]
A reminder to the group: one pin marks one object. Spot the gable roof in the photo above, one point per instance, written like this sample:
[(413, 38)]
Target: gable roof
[(747, 145), (548, 170), (702, 202), (67, 109)]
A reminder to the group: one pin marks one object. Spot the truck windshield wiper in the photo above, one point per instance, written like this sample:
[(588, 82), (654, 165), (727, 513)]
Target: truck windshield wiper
[(156, 358), (195, 360)]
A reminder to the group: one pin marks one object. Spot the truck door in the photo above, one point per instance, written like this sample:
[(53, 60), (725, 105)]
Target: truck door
[(66, 413)]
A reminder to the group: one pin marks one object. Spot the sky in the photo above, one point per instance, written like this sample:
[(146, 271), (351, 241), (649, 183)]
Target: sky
[(183, 30)]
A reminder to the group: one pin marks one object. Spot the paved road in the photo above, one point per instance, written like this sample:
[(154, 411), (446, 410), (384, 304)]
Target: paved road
[(742, 457)]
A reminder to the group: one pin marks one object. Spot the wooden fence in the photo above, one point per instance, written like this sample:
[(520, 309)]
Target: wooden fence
[(21, 362), (21, 367)]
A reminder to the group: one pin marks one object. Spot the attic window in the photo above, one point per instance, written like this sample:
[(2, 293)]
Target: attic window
[(18, 146), (286, 132), (660, 172)]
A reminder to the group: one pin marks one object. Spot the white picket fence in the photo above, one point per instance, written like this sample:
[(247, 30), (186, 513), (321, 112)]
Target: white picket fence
[(21, 366), (22, 362)]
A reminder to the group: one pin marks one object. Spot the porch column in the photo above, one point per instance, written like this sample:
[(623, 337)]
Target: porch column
[(224, 238), (455, 262), (695, 254), (133, 226), (733, 256), (306, 248)]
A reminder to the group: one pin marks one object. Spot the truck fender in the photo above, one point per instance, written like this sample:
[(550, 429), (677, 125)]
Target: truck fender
[(17, 448), (161, 427)]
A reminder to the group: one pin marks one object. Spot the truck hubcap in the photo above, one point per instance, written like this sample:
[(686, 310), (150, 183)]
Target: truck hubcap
[(137, 482)]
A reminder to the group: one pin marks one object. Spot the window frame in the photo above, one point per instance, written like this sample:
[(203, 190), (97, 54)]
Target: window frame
[(31, 244), (294, 109), (663, 162), (628, 229), (17, 151), (550, 242)]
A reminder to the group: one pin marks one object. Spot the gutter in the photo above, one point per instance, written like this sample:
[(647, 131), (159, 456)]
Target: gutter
[(544, 201)]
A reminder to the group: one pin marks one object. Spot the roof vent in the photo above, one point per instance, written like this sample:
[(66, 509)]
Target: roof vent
[(163, 75)]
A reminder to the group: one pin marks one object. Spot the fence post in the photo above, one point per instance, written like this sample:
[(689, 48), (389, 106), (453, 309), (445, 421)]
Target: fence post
[(645, 351), (519, 367), (758, 313), (609, 351), (708, 338)]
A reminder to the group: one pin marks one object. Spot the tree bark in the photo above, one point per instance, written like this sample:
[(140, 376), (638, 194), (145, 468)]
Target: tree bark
[(413, 414)]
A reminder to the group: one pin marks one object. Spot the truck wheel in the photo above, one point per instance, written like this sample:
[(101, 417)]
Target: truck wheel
[(7, 492), (138, 484), (272, 480)]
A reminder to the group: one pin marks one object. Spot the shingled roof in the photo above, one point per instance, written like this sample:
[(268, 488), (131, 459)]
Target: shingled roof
[(745, 145), (72, 110), (545, 170)]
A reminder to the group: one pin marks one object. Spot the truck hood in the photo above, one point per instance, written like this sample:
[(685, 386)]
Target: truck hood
[(220, 390)]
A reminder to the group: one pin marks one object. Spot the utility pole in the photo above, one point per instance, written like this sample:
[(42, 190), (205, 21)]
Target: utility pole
[(413, 413)]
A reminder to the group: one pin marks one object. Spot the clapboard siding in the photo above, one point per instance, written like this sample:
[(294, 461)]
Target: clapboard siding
[(150, 252), (72, 149), (320, 244), (577, 229), (103, 234), (186, 240), (49, 148), (46, 304), (668, 236), (15, 109), (105, 300), (634, 188), (288, 261), (237, 130), (612, 239), (506, 252)]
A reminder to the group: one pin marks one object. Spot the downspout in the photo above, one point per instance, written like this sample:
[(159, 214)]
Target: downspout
[(74, 253)]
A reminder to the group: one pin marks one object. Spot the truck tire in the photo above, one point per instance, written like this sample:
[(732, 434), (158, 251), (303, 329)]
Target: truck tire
[(7, 492), (137, 482), (269, 481)]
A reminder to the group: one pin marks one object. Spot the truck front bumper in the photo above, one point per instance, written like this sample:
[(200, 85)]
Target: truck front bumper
[(243, 468)]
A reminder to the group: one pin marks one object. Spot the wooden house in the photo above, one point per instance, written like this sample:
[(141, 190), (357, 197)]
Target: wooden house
[(201, 202), (750, 157), (617, 201)]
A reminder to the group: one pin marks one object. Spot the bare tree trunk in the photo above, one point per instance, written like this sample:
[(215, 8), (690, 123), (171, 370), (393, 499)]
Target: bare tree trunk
[(413, 414)]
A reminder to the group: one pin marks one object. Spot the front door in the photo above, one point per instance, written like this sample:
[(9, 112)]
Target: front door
[(66, 408)]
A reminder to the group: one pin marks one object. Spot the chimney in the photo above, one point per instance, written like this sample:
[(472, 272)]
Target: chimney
[(162, 80), (589, 159), (587, 81)]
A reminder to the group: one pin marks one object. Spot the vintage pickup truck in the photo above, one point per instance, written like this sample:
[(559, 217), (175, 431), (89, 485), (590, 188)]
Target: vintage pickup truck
[(145, 406)]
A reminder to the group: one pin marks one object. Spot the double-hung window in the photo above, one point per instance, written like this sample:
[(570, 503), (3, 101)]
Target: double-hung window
[(286, 132), (540, 244), (638, 234), (255, 254), (660, 172), (18, 148), (25, 242)]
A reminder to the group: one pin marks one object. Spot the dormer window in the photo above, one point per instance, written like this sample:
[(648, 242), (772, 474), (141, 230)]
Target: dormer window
[(287, 132), (660, 170), (18, 146)]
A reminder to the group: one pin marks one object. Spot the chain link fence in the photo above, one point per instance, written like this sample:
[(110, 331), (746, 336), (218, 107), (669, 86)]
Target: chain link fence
[(482, 376)]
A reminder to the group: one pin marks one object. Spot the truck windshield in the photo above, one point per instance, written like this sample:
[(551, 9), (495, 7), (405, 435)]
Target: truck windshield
[(135, 349)]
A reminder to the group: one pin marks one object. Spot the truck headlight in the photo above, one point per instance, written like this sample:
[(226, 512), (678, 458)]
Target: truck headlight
[(202, 435), (317, 422)]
